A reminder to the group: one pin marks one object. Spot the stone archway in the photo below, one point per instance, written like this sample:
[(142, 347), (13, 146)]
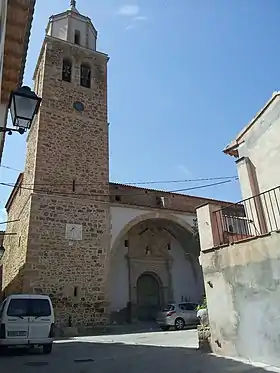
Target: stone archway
[(118, 234), (157, 243), (149, 296)]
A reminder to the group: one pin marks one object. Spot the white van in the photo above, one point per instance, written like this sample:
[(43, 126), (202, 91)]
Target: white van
[(27, 320)]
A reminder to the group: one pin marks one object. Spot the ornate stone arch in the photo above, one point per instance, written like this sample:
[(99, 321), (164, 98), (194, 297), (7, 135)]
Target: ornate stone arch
[(148, 216)]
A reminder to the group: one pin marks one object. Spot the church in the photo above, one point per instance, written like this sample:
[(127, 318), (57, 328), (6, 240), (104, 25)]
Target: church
[(92, 245)]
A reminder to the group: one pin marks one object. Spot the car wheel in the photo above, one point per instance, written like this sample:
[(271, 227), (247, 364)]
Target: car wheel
[(179, 324), (47, 349), (165, 327)]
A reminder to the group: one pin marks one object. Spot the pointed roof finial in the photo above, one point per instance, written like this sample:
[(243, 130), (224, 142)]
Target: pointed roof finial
[(73, 3)]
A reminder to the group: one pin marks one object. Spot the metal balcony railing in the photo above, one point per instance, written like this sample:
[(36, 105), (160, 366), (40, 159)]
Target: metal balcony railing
[(251, 217)]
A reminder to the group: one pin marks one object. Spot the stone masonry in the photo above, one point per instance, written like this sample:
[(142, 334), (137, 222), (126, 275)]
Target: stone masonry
[(67, 168)]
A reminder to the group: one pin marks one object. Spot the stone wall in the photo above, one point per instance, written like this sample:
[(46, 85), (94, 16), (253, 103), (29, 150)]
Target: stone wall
[(72, 146), (243, 289), (131, 195), (16, 239), (66, 181), (71, 272)]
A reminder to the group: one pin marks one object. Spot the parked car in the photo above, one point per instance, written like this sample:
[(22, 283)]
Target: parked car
[(27, 320), (178, 316)]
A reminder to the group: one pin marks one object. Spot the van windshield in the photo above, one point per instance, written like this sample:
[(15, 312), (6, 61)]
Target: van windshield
[(29, 307)]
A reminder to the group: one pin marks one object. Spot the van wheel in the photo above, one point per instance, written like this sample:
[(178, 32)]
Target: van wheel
[(47, 349)]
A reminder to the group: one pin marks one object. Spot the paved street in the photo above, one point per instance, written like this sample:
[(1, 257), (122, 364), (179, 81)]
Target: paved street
[(132, 353)]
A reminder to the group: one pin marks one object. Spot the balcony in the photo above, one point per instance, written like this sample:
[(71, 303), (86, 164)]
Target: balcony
[(254, 216)]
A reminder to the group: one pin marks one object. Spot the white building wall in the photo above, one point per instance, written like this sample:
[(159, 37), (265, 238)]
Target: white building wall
[(183, 281), (81, 26), (119, 284), (91, 39), (59, 28), (261, 145), (121, 216), (64, 27)]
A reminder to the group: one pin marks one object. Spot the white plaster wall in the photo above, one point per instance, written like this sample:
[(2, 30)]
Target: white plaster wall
[(80, 25), (245, 186), (183, 281), (91, 39), (121, 216), (59, 28), (262, 146), (64, 28), (119, 284), (187, 218), (243, 302)]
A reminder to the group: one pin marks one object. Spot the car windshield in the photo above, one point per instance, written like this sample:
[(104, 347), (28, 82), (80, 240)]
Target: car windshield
[(29, 307), (170, 307)]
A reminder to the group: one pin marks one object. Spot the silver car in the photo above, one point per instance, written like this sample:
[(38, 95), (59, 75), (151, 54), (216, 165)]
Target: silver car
[(178, 315)]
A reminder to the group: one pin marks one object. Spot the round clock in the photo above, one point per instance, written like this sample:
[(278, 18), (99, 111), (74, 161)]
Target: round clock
[(79, 106)]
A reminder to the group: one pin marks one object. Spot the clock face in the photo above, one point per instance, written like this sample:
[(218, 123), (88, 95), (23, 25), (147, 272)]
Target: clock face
[(79, 106), (74, 232)]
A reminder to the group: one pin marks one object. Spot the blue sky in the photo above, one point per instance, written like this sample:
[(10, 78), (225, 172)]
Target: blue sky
[(184, 77)]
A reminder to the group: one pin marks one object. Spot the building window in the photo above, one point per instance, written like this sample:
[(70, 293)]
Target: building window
[(77, 37), (85, 76), (66, 70)]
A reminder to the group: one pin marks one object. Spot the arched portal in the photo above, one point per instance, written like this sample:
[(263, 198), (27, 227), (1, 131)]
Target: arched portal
[(165, 250), (148, 296)]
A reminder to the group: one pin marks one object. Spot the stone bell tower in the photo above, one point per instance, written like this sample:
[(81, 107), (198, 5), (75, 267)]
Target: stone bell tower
[(68, 164)]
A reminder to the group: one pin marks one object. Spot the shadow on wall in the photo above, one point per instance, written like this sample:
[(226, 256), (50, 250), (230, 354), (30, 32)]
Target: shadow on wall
[(15, 286), (107, 357)]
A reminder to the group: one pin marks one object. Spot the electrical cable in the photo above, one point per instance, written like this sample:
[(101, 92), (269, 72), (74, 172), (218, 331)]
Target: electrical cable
[(139, 182), (145, 192)]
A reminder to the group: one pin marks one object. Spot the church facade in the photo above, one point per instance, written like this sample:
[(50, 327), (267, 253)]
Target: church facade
[(92, 245)]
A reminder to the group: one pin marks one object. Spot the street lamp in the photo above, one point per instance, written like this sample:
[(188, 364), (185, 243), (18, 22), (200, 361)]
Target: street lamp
[(2, 251), (24, 105)]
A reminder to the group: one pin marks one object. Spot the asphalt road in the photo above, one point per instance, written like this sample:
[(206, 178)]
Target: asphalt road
[(172, 352)]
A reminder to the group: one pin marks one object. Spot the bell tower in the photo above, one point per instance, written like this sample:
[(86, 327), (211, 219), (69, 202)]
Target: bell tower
[(67, 164)]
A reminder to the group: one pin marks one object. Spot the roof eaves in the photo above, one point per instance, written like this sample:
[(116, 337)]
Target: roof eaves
[(27, 38)]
